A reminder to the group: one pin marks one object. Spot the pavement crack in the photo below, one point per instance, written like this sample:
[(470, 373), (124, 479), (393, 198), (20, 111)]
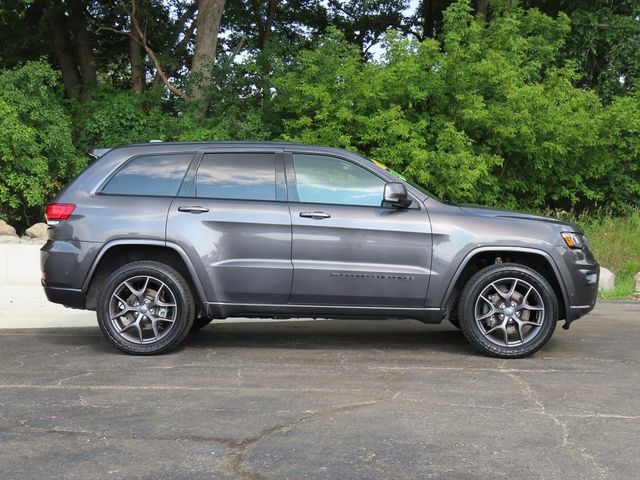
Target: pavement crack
[(567, 441), (13, 386), (235, 463), (23, 428), (78, 375)]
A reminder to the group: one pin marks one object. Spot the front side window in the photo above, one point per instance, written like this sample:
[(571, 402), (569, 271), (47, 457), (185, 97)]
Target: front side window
[(239, 176), (158, 175), (323, 179)]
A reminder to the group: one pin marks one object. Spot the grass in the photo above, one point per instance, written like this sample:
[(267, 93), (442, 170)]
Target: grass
[(615, 242)]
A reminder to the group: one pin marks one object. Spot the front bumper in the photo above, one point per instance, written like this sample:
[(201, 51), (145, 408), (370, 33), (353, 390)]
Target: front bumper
[(581, 275)]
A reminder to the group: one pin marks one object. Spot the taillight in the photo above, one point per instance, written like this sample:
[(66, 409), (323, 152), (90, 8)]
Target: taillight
[(59, 211)]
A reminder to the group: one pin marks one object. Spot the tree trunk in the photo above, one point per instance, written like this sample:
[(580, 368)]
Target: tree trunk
[(207, 25), (78, 24), (271, 15), (63, 50), (431, 13), (136, 55), (482, 9), (428, 20), (264, 25)]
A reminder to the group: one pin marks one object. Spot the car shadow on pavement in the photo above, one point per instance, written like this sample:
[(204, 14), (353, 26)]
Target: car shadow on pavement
[(336, 335), (330, 335)]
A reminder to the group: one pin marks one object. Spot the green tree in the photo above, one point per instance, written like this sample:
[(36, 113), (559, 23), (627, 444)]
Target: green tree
[(112, 118), (489, 113), (603, 42), (37, 155)]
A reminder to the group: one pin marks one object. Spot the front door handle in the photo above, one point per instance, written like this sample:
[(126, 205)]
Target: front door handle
[(193, 209), (315, 215)]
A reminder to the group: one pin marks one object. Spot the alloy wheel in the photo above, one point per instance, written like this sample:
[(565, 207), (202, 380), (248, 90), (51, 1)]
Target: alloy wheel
[(143, 309), (509, 312)]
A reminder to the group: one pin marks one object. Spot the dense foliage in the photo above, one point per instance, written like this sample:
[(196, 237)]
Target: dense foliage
[(531, 105), (37, 154)]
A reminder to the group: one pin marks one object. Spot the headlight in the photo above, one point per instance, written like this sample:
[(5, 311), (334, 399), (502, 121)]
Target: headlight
[(574, 240)]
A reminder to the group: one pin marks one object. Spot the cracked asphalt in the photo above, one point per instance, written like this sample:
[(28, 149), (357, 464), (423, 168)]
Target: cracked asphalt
[(323, 400)]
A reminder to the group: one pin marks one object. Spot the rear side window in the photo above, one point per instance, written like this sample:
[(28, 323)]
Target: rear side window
[(238, 176), (322, 179), (158, 175)]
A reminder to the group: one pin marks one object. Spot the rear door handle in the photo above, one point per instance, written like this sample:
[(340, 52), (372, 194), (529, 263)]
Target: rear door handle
[(193, 209), (315, 215)]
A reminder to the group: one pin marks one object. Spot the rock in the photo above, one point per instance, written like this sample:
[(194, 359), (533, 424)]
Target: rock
[(9, 239), (607, 280), (38, 231), (637, 279), (6, 229)]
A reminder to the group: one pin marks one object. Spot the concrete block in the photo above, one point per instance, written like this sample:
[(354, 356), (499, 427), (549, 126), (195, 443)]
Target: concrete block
[(20, 263)]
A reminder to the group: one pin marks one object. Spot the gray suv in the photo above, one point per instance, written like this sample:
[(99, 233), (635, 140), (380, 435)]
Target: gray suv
[(161, 238)]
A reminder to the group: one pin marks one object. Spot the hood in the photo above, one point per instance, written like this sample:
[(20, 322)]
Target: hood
[(500, 213)]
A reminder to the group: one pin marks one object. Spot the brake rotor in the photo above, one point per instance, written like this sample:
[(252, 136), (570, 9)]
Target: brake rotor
[(499, 303)]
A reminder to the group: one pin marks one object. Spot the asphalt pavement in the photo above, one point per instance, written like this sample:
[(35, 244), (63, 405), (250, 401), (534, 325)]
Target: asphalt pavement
[(323, 400)]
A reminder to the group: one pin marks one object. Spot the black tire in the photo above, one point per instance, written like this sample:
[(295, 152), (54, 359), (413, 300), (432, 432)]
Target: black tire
[(541, 315), (200, 322), (171, 332)]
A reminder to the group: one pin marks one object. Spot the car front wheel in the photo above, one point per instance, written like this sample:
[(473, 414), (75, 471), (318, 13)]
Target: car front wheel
[(508, 311), (145, 308)]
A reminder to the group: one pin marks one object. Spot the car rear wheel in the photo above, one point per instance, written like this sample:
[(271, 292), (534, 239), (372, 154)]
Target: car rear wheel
[(145, 308), (508, 311)]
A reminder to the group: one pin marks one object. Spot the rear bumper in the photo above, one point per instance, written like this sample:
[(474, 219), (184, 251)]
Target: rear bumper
[(64, 264), (69, 297)]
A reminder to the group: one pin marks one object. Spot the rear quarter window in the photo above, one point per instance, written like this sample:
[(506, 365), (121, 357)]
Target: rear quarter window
[(156, 175)]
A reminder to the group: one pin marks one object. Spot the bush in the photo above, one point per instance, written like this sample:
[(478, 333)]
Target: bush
[(37, 155), (113, 118)]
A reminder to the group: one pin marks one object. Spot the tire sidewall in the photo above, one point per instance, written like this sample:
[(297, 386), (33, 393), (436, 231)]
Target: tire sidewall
[(479, 282), (184, 302)]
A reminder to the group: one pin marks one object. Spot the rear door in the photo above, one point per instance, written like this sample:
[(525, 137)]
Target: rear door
[(232, 219), (347, 248)]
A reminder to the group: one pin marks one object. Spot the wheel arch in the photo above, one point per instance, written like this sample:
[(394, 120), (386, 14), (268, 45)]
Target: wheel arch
[(120, 252), (481, 257)]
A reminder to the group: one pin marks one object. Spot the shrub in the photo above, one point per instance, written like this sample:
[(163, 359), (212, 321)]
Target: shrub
[(37, 155)]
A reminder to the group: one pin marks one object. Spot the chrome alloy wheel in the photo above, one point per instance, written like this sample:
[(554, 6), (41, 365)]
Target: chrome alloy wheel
[(509, 312), (142, 309)]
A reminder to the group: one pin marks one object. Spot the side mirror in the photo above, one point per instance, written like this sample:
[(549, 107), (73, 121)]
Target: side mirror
[(395, 194)]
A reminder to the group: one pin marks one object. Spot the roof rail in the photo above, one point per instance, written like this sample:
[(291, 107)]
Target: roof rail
[(96, 153)]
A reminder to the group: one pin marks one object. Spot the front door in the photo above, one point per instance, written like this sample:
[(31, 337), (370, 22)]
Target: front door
[(347, 248)]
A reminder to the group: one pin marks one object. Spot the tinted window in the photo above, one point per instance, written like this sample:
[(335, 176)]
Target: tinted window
[(153, 175), (244, 176), (323, 179)]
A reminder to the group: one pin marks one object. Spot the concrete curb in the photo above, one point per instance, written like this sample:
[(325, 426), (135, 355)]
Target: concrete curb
[(20, 263)]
